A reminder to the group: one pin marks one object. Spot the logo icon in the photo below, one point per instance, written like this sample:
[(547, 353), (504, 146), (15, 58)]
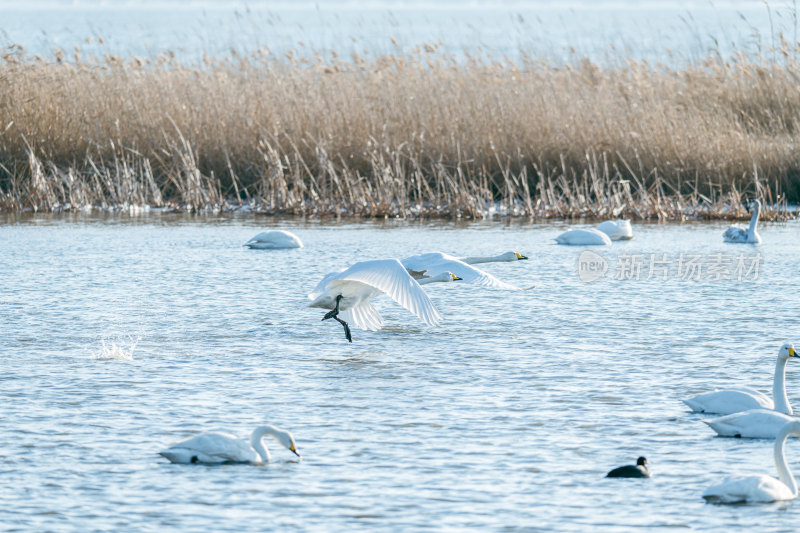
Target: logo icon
[(591, 266)]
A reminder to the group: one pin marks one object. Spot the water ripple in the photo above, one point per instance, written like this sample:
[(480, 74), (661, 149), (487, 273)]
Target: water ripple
[(504, 417)]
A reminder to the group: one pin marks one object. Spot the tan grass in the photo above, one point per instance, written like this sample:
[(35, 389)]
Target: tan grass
[(415, 135)]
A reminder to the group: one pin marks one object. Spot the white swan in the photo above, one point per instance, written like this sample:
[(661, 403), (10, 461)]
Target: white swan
[(215, 448), (274, 240), (740, 234), (504, 257), (752, 424), (589, 236), (760, 488), (617, 230), (347, 294), (734, 400), (432, 264)]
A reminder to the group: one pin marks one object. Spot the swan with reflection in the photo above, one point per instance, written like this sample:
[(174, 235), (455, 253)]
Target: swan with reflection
[(217, 448), (760, 488), (737, 399), (274, 240), (748, 235), (348, 293)]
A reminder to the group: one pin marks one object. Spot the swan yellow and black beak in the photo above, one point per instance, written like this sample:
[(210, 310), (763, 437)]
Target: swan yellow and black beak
[(294, 450), (792, 352), (455, 278), (520, 256)]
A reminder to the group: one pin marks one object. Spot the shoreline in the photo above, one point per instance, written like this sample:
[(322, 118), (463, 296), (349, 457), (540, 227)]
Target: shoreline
[(230, 210)]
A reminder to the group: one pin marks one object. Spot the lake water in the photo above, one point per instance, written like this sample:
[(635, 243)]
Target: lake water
[(505, 417), (671, 31)]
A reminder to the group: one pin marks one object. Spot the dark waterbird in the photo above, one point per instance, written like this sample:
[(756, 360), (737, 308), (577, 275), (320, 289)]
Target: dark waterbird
[(637, 470)]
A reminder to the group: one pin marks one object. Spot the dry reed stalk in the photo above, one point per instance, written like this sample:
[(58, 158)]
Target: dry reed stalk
[(422, 135)]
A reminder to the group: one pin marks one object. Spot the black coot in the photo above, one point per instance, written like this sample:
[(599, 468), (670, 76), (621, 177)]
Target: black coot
[(637, 470)]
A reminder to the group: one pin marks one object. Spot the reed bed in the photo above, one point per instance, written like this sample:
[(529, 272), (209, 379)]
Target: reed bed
[(415, 135)]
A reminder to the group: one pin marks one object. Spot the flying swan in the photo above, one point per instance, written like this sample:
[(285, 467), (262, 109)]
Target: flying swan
[(617, 230), (760, 488), (500, 258), (424, 266), (737, 399), (348, 294), (216, 448), (274, 240), (740, 234), (586, 237)]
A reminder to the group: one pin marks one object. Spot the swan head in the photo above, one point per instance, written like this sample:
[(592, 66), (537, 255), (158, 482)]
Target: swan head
[(752, 205), (284, 438), (787, 351), (287, 441), (511, 256)]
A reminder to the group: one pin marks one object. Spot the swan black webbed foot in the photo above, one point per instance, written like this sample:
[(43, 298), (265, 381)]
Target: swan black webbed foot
[(333, 314)]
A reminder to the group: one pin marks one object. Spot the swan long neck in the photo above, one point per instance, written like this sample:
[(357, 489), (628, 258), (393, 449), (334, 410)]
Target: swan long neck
[(258, 445), (784, 474), (779, 388), (487, 259), (754, 218), (445, 276)]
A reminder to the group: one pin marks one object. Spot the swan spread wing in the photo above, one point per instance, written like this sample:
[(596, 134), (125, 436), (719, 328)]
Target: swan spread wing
[(317, 291), (390, 277), (435, 263), (363, 316)]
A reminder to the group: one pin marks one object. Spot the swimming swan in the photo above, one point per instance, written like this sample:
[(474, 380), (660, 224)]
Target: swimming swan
[(432, 264), (740, 234), (274, 240), (215, 448), (504, 257), (752, 424), (760, 488), (586, 237), (637, 470), (728, 401), (347, 294), (617, 230)]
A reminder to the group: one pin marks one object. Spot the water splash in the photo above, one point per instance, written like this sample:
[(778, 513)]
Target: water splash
[(120, 349)]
